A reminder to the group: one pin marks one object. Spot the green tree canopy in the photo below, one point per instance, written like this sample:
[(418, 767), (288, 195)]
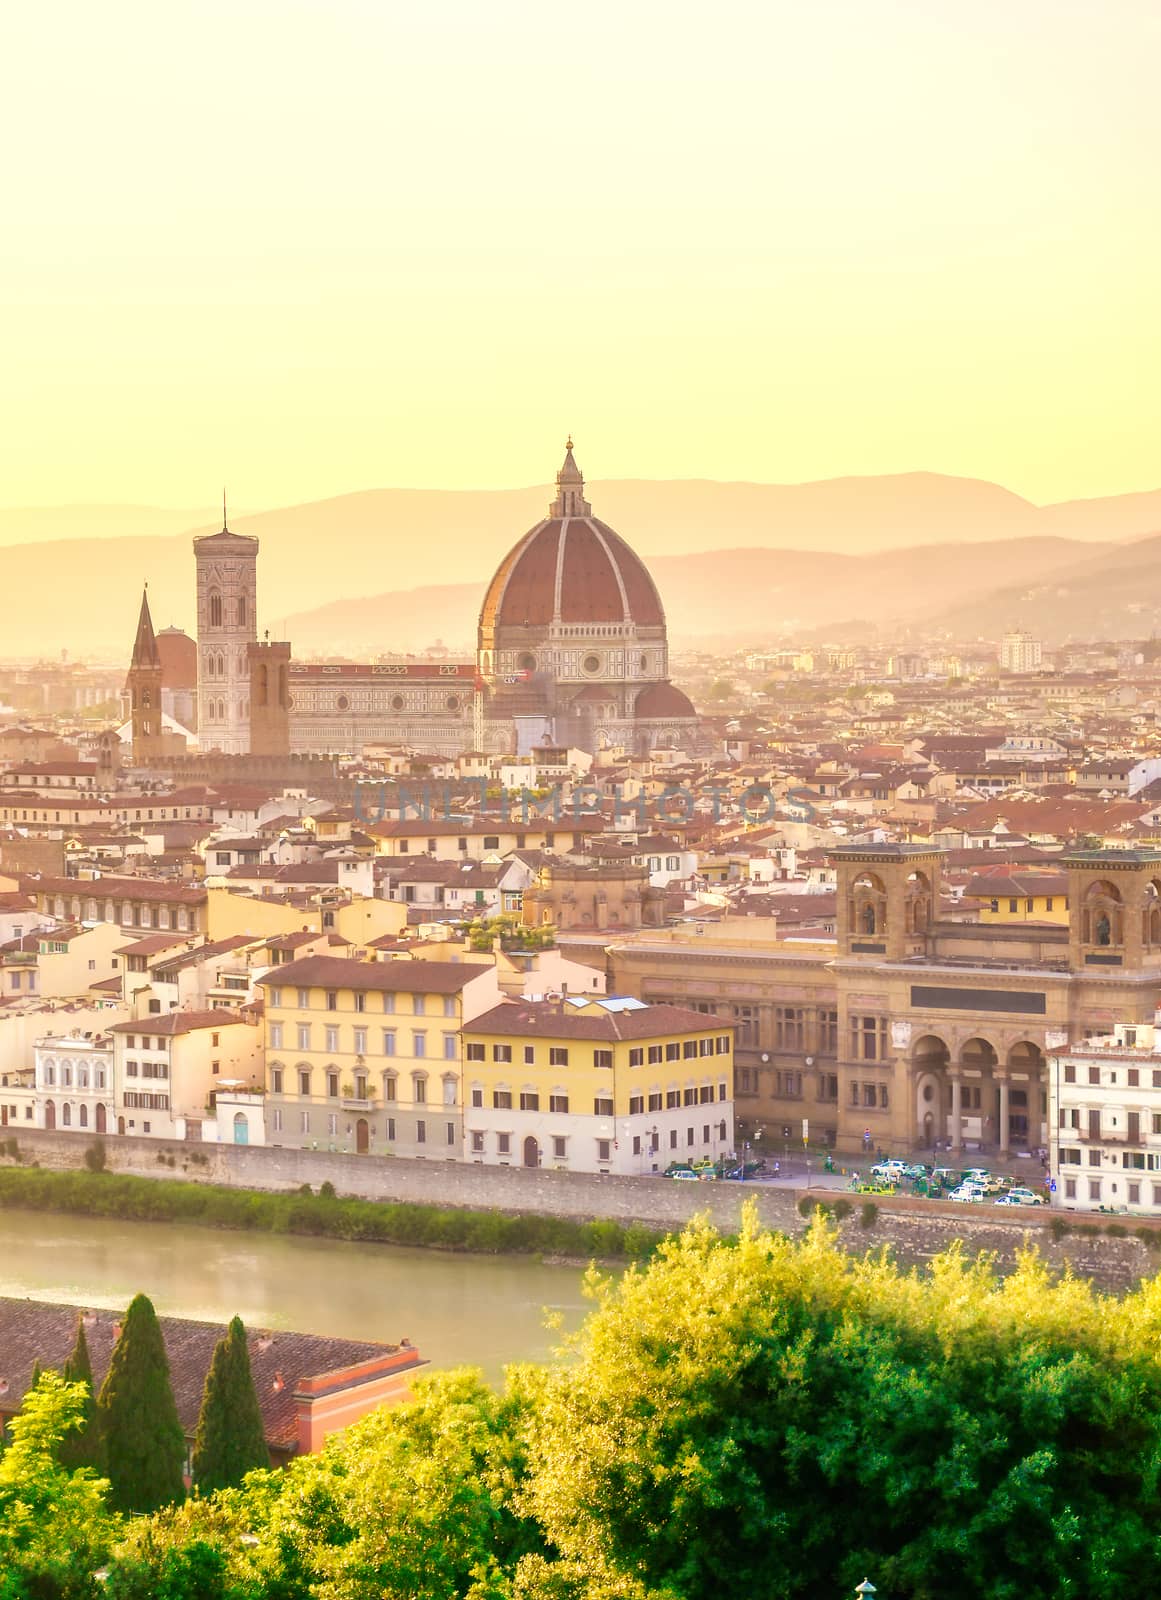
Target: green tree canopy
[(55, 1530), (231, 1439), (144, 1446), (81, 1447)]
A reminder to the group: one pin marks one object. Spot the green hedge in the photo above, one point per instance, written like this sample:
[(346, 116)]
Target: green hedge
[(104, 1194)]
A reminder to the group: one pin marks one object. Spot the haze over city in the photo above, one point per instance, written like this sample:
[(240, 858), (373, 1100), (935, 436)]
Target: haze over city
[(580, 683)]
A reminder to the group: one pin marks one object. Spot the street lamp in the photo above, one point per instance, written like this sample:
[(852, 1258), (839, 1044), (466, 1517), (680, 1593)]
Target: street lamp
[(866, 1587)]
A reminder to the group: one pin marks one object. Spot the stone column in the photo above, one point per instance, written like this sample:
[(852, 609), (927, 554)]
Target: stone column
[(1004, 1122), (955, 1121)]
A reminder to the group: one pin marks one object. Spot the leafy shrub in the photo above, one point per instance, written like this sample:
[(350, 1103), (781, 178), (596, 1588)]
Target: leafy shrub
[(1117, 1230), (326, 1190), (842, 1209), (95, 1156), (303, 1212), (1058, 1228), (869, 1215)]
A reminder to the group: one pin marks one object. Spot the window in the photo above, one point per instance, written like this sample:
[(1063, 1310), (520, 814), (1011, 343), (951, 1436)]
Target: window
[(501, 1099), (689, 1136), (689, 1097), (419, 1044), (689, 1049), (655, 1100), (604, 1147), (1094, 1188), (828, 1086), (475, 1052), (304, 1035), (276, 1080), (602, 1107), (451, 1132), (477, 1095), (421, 1132), (277, 1122), (389, 1042), (602, 1058), (746, 1024), (559, 1147), (1069, 1073), (390, 1086), (477, 1144), (637, 1057), (636, 1104), (276, 1036), (332, 1084), (789, 1027), (332, 1000), (558, 1056), (419, 1088), (451, 1047), (558, 1103), (332, 1124), (501, 1052), (391, 1128), (722, 1044), (304, 1121), (360, 1000), (673, 1138), (655, 1054), (303, 999), (332, 1043), (672, 1099), (868, 1038), (419, 1004), (1094, 1075), (673, 1052), (389, 1002), (304, 1080), (828, 1033), (529, 1100), (449, 1005)]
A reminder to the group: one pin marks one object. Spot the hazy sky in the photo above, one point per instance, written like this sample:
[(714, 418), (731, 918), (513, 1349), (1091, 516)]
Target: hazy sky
[(310, 246)]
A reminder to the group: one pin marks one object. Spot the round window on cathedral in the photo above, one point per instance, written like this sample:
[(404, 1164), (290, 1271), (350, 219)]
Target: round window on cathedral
[(343, 703), (453, 702), (592, 663), (397, 702)]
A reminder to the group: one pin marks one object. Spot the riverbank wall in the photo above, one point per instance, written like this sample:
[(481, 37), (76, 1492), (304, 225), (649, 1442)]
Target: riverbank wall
[(915, 1230)]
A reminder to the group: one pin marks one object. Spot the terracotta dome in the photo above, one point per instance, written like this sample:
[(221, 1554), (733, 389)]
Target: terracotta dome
[(661, 701), (179, 659), (571, 568)]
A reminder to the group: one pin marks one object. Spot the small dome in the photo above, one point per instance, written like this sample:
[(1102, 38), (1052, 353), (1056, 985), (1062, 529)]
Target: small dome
[(179, 659), (661, 701)]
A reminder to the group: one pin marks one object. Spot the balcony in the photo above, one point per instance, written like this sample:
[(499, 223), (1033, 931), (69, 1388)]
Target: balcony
[(353, 1103)]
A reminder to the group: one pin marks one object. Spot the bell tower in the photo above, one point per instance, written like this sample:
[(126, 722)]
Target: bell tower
[(144, 685), (888, 899), (227, 568)]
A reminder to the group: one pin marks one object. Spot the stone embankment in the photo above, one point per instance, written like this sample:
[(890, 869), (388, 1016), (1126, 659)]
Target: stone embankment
[(915, 1229)]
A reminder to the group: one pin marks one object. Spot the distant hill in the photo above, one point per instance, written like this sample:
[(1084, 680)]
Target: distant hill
[(720, 594), (1113, 595), (769, 553)]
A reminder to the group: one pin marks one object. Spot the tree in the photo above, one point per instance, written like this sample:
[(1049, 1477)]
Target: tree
[(55, 1530), (231, 1438), (81, 1447), (144, 1446), (721, 689)]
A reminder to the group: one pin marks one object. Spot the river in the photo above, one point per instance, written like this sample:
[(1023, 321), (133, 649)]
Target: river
[(479, 1311)]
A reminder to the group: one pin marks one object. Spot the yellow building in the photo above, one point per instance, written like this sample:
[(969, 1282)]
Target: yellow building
[(356, 918), (1007, 898), (365, 1055), (597, 1084)]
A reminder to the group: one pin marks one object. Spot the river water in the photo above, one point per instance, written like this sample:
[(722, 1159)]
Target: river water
[(479, 1311)]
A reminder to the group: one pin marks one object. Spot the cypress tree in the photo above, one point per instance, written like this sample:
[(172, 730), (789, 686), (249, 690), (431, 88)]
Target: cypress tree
[(231, 1439), (144, 1447), (81, 1448)]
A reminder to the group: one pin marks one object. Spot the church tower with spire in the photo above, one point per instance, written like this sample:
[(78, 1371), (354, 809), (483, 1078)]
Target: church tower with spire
[(144, 686), (227, 569)]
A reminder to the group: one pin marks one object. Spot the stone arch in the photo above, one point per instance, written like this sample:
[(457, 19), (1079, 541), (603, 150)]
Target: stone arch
[(868, 905), (1151, 913), (917, 904), (1102, 915), (930, 1058)]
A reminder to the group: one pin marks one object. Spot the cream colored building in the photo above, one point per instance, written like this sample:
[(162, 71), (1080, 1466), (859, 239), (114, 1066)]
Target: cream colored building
[(366, 1055), (167, 1069), (1105, 1104)]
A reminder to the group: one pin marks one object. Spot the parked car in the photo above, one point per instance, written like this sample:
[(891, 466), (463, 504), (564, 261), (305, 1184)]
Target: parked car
[(685, 1176), (889, 1169), (1019, 1195), (967, 1194), (974, 1175)]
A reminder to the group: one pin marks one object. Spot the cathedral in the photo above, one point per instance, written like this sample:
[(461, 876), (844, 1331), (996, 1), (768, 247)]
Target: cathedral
[(572, 651)]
